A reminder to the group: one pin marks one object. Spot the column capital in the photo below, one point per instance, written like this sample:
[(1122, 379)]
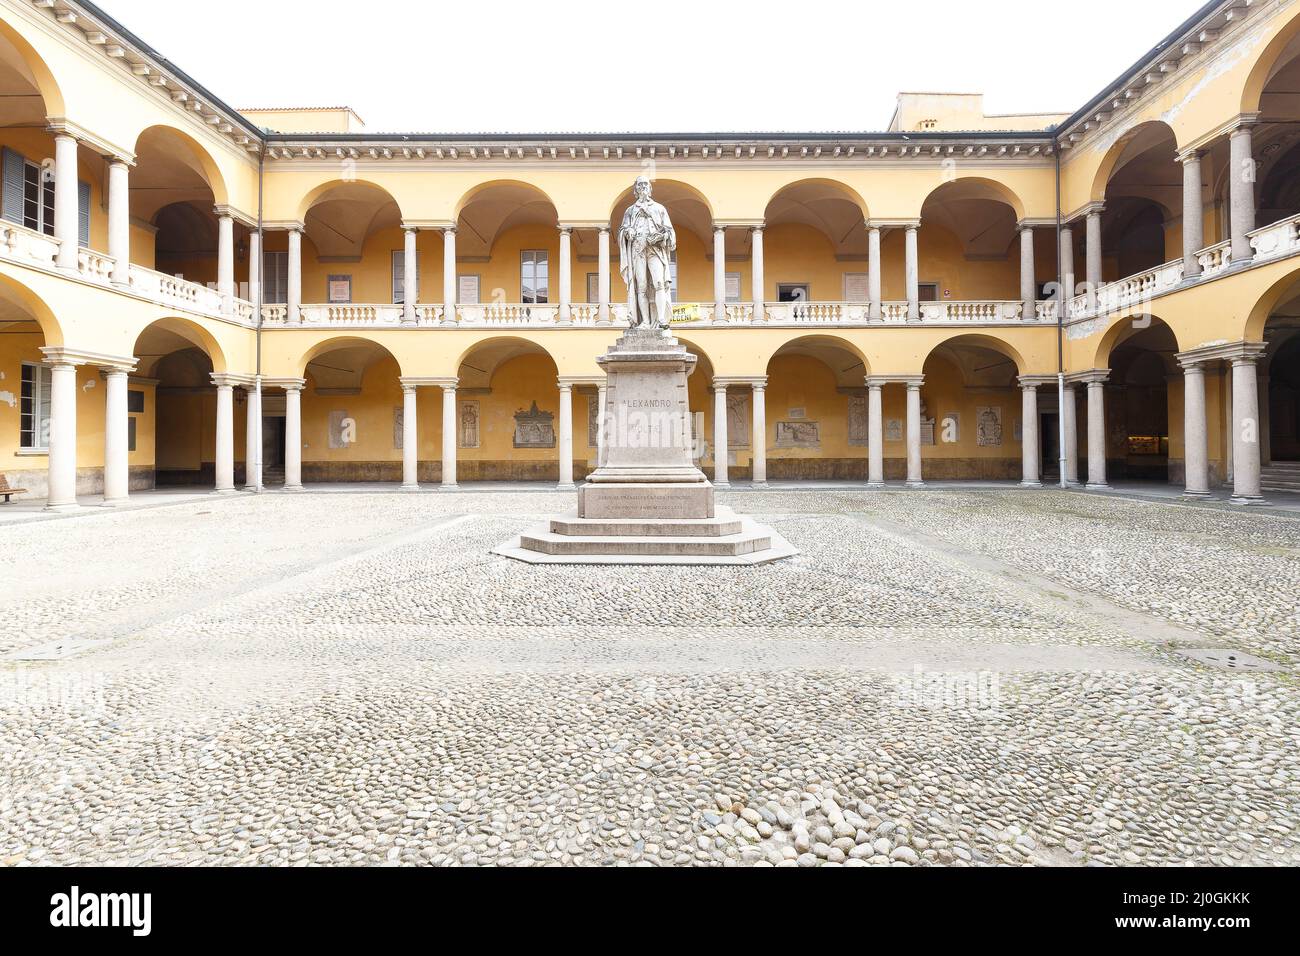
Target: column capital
[(225, 211), (893, 223), (408, 389), (229, 379), (875, 381), (1243, 123), (1034, 381), (1094, 376), (288, 384), (63, 355), (1193, 154), (755, 381), (1222, 352), (284, 225), (578, 381), (565, 229), (433, 381)]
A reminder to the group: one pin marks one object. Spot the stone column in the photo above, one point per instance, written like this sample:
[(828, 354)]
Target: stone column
[(254, 269), (566, 437), (912, 271), (1265, 426), (719, 274), (1241, 190), (720, 449), (566, 276), (62, 478), (1028, 277), (1094, 256), (875, 435), (226, 261), (914, 473), (758, 440), (225, 450), (1193, 215), (119, 220), (1031, 466), (294, 291), (410, 275), (117, 466), (756, 266), (1067, 263), (873, 271), (1245, 433), (1196, 453), (1070, 418), (1097, 432), (603, 316), (252, 438), (67, 217), (410, 440), (449, 441), (449, 275), (293, 437)]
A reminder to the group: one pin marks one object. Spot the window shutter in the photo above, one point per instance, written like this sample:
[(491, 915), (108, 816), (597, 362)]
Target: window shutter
[(14, 173), (83, 214)]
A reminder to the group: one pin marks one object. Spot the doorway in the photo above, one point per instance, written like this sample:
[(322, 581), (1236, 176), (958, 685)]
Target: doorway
[(273, 449), (1049, 444)]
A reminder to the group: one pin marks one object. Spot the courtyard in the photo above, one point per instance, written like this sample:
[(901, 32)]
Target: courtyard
[(953, 676)]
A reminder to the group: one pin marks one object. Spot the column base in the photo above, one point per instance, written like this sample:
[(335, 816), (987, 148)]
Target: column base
[(63, 508), (759, 482), (916, 484), (566, 486), (722, 485), (293, 489), (1248, 501), (449, 487), (876, 485), (409, 488), (114, 502), (1097, 487), (1196, 495), (225, 491), (1031, 484)]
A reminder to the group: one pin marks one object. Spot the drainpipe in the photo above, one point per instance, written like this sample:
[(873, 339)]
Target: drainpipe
[(1062, 299), (257, 307)]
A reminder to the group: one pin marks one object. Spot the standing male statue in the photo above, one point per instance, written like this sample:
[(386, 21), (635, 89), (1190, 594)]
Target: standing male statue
[(646, 242)]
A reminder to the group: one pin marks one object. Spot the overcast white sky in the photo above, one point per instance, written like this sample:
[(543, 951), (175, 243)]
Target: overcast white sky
[(667, 65)]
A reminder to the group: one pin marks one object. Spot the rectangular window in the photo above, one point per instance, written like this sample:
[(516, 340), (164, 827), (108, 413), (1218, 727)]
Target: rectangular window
[(534, 277), (130, 434), (928, 292), (399, 277), (792, 292), (38, 199), (593, 287), (275, 278), (34, 410), (135, 402)]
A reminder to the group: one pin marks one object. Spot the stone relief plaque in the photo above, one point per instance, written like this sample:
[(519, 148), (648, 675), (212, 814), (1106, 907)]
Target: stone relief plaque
[(534, 428), (467, 425), (988, 427), (927, 431), (798, 435), (399, 428), (858, 421), (894, 429), (738, 420), (798, 413)]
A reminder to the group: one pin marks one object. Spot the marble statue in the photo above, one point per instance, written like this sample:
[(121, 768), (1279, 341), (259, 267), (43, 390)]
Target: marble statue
[(646, 242)]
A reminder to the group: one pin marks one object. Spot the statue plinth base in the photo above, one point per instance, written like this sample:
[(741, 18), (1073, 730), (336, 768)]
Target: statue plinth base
[(648, 502)]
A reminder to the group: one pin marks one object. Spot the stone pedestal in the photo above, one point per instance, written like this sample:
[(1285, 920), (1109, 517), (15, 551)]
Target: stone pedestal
[(647, 502)]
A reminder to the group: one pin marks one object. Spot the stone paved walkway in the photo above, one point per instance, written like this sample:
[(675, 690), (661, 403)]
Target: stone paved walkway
[(971, 676)]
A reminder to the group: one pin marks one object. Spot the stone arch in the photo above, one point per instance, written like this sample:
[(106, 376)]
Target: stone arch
[(979, 187), (42, 75), (339, 216), (1284, 289), (1121, 331), (166, 330), (1265, 61), (1130, 144), (693, 192), (490, 209), (194, 155), (18, 293), (979, 340), (353, 341), (342, 188), (822, 347), (491, 353), (834, 209)]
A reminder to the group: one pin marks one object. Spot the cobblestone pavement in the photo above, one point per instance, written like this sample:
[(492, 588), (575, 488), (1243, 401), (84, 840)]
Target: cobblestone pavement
[(943, 677)]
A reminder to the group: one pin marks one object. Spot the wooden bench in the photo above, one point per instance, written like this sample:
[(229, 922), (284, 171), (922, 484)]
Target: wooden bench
[(6, 490)]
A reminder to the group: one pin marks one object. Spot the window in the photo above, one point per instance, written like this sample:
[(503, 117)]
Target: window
[(928, 292), (399, 277), (534, 277), (275, 277), (38, 199), (792, 292), (135, 402), (34, 412), (130, 434), (593, 287)]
